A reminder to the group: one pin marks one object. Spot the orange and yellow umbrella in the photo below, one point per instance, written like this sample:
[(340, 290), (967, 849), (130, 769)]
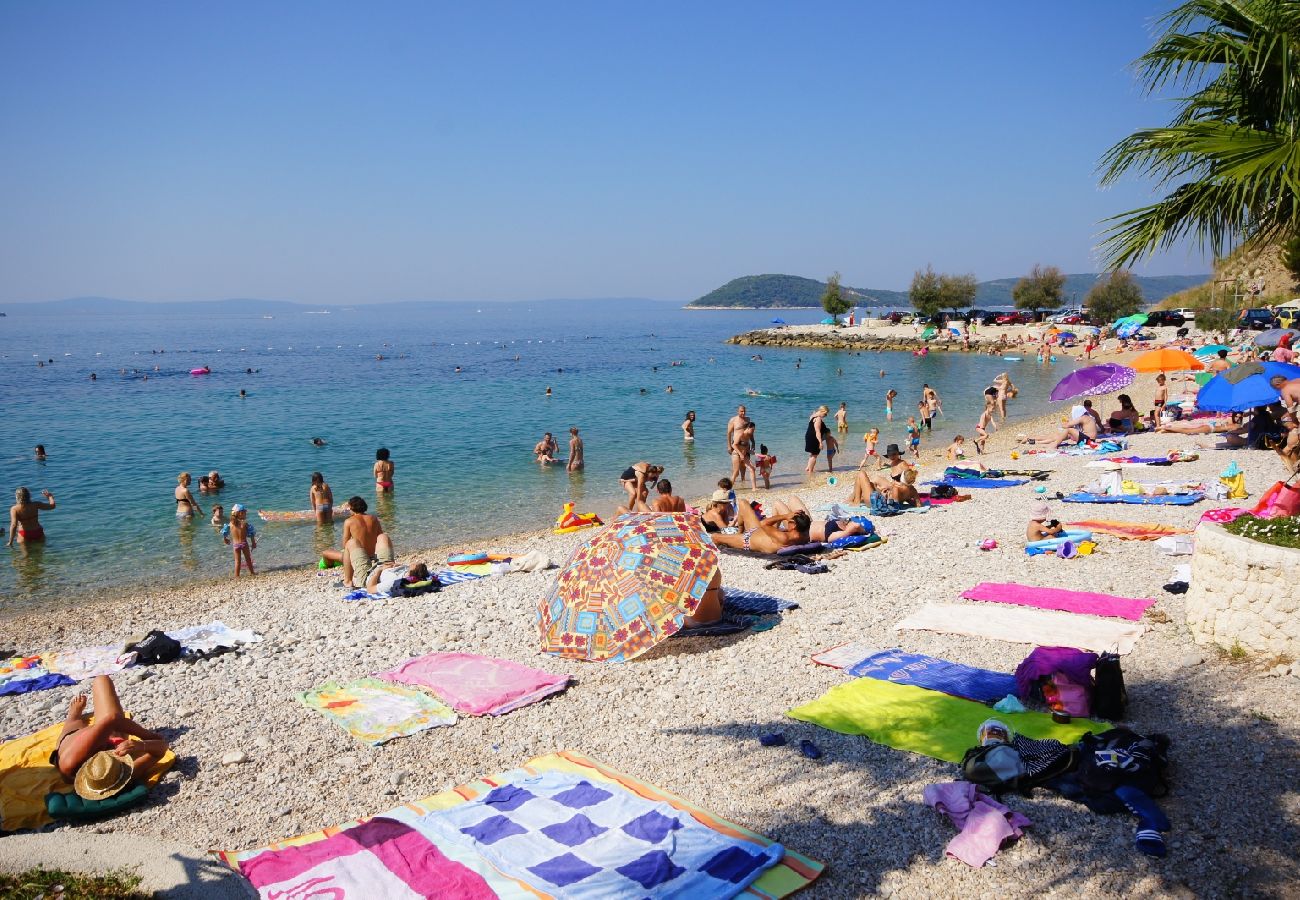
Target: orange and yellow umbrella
[(1167, 359)]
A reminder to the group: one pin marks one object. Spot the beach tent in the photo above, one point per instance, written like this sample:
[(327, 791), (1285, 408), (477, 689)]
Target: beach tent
[(1244, 387), (628, 588), (778, 321)]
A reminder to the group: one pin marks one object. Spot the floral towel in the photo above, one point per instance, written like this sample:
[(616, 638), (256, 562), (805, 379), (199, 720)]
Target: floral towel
[(81, 663), (477, 685), (376, 711)]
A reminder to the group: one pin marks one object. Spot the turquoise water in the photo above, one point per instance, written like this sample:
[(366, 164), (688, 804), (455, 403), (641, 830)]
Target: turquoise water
[(461, 442)]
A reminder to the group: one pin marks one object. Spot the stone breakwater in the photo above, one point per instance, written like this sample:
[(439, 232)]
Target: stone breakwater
[(832, 340), (1244, 592)]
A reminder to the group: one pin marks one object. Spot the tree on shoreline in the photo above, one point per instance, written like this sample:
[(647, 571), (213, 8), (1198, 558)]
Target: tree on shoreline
[(1115, 296), (1229, 157), (833, 300), (924, 292), (957, 291), (1041, 289)]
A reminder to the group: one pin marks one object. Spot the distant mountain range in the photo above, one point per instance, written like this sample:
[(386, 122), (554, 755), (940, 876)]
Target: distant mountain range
[(790, 291)]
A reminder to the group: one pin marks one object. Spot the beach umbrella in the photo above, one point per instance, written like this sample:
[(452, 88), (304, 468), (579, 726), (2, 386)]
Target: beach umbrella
[(1067, 335), (1166, 359), (778, 321), (1271, 338), (628, 588), (1093, 381), (1210, 350), (929, 332), (830, 320), (1244, 387), (1135, 319)]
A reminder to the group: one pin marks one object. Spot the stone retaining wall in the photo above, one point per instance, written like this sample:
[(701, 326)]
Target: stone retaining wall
[(1244, 592), (836, 341)]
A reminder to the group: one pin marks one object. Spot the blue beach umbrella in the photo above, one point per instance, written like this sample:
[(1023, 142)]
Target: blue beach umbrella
[(1244, 387), (1210, 350), (778, 321)]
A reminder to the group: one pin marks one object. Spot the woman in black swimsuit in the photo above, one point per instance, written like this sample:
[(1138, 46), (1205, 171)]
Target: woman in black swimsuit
[(636, 480), (110, 731), (186, 506), (814, 437)]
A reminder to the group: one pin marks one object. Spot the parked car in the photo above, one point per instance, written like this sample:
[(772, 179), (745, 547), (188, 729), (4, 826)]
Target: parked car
[(1187, 312), (1257, 319), (1166, 317), (1015, 318), (1074, 318), (975, 315), (1288, 317), (898, 317)]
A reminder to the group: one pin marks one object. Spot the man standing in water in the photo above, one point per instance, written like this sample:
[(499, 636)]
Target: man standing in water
[(575, 451), (735, 425)]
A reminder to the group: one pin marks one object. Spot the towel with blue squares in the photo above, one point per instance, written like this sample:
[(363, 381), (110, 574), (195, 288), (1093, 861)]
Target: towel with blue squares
[(573, 838)]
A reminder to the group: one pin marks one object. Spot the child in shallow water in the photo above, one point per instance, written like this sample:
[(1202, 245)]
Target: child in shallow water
[(218, 515), (870, 439), (241, 536)]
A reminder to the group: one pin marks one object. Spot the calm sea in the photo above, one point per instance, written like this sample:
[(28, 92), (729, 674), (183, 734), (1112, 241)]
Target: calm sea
[(461, 441)]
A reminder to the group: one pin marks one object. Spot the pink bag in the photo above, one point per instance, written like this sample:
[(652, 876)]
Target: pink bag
[(1280, 500), (1063, 695)]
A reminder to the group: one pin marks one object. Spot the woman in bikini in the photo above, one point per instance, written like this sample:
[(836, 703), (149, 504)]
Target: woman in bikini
[(767, 535), (383, 470), (823, 530), (24, 517), (636, 480), (186, 506), (111, 731), (322, 499), (688, 426)]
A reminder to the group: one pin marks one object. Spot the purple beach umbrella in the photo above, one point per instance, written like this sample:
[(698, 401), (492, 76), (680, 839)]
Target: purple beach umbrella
[(1093, 381)]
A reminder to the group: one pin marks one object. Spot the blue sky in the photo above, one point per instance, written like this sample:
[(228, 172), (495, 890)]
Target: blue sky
[(348, 152)]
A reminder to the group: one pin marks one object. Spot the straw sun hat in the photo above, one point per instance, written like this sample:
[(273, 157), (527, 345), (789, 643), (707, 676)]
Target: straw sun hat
[(102, 776)]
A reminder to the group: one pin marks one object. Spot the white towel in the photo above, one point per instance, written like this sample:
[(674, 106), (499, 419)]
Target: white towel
[(1046, 628)]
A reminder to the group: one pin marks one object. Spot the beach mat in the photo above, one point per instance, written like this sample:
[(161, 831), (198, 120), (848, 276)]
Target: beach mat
[(980, 482), (26, 777), (477, 876), (1129, 531), (842, 656), (754, 603), (897, 667), (1135, 499), (477, 685), (932, 723), (375, 711), (1056, 598), (1026, 626)]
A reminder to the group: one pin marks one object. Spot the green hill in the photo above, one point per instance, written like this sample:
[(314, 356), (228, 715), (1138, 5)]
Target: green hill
[(788, 291)]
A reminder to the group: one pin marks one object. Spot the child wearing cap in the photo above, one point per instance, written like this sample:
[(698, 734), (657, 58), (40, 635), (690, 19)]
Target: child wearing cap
[(240, 535), (1041, 524)]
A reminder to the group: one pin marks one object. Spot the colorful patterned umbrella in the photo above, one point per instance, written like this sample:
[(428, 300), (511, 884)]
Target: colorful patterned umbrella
[(1093, 381), (628, 588), (1167, 359)]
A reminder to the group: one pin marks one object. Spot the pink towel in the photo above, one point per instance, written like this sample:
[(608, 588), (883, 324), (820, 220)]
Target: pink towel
[(984, 822), (477, 685), (1056, 598)]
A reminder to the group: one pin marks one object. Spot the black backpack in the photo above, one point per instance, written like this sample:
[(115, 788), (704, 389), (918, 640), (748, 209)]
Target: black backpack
[(943, 491), (156, 648), (999, 768), (1109, 698), (1122, 756)]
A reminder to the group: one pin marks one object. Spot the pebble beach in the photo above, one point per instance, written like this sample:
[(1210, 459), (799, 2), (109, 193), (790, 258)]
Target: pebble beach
[(256, 766)]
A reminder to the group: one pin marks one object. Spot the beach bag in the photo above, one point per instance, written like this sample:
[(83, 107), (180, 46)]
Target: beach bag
[(1130, 488), (943, 491), (1281, 499), (995, 767), (156, 648), (1063, 695), (1123, 757), (1110, 483), (1109, 697), (1236, 486)]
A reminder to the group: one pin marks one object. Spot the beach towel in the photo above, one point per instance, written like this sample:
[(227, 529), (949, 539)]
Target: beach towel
[(1129, 531), (1140, 499), (980, 482), (80, 663), (453, 576), (29, 680), (206, 638), (844, 656), (1026, 626), (792, 873), (569, 837), (378, 858), (26, 777), (753, 603), (932, 723), (376, 711), (1056, 598), (477, 685), (982, 685)]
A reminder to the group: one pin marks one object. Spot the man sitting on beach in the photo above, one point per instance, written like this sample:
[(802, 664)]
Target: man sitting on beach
[(1084, 426), (667, 501), (365, 546), (768, 535), (1289, 391)]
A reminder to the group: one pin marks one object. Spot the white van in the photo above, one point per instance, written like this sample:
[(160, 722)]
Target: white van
[(1187, 312)]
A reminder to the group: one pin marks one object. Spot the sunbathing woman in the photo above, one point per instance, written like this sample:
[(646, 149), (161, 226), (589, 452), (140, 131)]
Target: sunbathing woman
[(768, 535), (819, 529), (1219, 425), (111, 731), (867, 483)]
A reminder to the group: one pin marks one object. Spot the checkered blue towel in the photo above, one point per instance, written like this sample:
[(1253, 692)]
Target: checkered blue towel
[(570, 837)]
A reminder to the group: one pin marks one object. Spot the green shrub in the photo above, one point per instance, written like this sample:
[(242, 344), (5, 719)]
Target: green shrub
[(1281, 532)]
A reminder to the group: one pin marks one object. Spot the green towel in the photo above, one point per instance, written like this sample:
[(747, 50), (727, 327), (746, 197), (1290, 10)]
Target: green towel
[(912, 718)]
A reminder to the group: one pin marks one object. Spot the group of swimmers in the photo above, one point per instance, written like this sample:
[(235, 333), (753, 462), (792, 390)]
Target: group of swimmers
[(545, 449)]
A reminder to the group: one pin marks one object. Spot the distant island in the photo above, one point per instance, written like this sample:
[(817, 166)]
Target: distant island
[(792, 291)]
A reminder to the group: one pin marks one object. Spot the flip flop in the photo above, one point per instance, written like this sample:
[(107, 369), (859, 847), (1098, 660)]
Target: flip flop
[(809, 749), (776, 739)]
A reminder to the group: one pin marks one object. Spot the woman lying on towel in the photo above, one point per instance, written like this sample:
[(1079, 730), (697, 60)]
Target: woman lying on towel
[(1221, 425), (113, 748), (824, 531), (767, 535), (867, 483)]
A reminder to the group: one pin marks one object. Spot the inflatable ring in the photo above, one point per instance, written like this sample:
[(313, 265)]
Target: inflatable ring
[(1053, 543), (467, 559)]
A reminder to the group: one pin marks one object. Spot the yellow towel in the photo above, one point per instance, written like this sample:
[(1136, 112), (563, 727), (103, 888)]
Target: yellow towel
[(26, 776)]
